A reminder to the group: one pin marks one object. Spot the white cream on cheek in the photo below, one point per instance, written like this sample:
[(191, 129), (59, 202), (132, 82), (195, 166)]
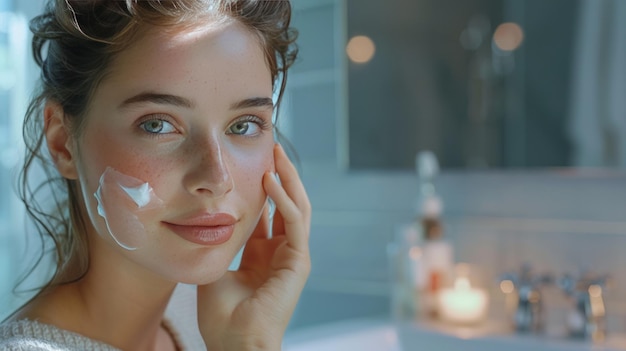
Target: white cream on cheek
[(140, 194), (124, 203)]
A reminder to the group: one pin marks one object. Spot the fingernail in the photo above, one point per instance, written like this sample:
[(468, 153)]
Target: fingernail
[(276, 177)]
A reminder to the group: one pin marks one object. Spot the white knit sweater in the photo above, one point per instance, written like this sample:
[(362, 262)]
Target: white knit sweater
[(27, 335)]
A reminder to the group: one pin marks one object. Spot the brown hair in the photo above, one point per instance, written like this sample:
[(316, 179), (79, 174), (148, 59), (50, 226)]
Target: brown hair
[(74, 43)]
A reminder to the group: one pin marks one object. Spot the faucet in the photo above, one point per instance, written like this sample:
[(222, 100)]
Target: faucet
[(587, 319), (529, 315)]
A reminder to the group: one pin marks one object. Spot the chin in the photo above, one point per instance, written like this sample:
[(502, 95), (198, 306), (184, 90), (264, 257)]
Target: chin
[(199, 269), (200, 280), (197, 277)]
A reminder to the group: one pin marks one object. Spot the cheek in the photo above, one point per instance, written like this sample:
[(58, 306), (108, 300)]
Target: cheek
[(99, 154), (249, 169)]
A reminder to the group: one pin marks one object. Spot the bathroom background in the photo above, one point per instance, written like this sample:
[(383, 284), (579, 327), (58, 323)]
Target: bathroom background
[(526, 120)]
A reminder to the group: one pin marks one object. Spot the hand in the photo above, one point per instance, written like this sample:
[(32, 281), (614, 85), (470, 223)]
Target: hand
[(249, 309)]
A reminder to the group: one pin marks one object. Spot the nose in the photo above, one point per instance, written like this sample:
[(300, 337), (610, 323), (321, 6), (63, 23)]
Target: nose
[(210, 173)]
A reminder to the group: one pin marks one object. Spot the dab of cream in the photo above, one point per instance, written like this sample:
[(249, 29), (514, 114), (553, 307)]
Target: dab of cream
[(140, 194), (124, 222)]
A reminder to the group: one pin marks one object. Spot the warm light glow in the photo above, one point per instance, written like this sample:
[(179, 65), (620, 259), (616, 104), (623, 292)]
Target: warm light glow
[(508, 36), (463, 304), (507, 286), (595, 300), (360, 49), (595, 291)]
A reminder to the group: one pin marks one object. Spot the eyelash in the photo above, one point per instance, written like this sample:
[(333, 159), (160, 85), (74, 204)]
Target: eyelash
[(156, 117), (262, 123)]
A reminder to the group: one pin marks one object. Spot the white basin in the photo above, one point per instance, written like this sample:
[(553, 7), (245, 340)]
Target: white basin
[(381, 335)]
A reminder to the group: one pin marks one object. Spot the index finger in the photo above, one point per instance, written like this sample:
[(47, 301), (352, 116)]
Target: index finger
[(290, 180)]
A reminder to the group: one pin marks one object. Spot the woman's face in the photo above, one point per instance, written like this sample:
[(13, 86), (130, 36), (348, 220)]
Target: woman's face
[(188, 112)]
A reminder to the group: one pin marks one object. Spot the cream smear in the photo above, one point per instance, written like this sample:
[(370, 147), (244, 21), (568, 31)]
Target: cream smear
[(124, 202)]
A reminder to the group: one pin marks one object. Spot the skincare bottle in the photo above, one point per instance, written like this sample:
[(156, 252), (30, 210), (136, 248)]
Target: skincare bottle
[(404, 255), (437, 257), (407, 274)]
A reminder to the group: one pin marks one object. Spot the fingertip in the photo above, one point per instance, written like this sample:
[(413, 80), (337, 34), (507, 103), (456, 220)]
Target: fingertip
[(280, 149), (271, 174), (268, 178)]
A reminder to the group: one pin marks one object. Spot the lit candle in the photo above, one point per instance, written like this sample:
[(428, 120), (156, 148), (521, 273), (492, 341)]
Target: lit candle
[(462, 304)]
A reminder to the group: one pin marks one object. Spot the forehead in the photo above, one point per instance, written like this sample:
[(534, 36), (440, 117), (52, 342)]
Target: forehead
[(220, 55)]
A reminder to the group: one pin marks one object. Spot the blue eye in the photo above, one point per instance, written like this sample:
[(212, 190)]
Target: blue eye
[(241, 128), (248, 126), (157, 126)]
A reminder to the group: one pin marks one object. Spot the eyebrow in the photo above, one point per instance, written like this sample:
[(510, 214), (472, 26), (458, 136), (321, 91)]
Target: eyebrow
[(179, 101), (253, 102), (157, 98)]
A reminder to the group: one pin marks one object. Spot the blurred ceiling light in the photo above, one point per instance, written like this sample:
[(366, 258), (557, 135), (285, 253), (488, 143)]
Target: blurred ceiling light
[(360, 49), (508, 36)]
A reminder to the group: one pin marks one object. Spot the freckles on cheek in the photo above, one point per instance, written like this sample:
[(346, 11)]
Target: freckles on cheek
[(155, 171), (252, 169), (139, 164)]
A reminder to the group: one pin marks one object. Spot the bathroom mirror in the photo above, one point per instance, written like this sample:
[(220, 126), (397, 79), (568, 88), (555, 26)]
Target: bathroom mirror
[(486, 84)]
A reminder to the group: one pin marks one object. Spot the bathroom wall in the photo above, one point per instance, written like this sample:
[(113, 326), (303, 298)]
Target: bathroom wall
[(560, 220)]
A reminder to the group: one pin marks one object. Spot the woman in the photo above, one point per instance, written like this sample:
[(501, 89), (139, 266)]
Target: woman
[(157, 115)]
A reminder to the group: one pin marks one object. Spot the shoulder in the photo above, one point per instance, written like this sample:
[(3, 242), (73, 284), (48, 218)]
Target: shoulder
[(28, 335), (22, 336), (28, 344)]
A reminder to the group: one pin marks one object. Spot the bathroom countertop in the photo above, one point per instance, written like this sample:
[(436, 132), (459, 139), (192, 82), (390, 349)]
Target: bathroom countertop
[(384, 334)]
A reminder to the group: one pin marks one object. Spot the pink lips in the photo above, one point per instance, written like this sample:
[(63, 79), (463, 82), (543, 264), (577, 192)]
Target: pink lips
[(204, 229)]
